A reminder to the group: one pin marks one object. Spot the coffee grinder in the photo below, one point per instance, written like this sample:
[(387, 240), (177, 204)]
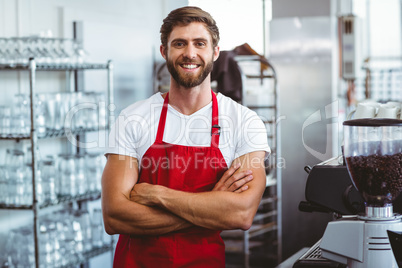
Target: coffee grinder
[(373, 155)]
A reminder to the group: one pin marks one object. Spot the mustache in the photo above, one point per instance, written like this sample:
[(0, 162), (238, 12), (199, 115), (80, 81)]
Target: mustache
[(188, 60)]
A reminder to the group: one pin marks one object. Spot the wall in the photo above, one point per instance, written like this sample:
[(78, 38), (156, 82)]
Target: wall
[(303, 51), (300, 8)]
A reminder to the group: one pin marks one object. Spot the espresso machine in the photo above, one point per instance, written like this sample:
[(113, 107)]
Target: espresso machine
[(372, 152)]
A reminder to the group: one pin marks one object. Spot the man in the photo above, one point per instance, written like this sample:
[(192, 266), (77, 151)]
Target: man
[(166, 187)]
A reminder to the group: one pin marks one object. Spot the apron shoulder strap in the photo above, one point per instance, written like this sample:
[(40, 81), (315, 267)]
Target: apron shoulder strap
[(216, 129), (162, 120)]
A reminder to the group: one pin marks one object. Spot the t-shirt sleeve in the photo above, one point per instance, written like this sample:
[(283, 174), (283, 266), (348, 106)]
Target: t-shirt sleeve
[(253, 135), (124, 136)]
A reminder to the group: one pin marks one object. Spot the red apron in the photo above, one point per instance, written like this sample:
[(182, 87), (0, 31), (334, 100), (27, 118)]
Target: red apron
[(185, 168)]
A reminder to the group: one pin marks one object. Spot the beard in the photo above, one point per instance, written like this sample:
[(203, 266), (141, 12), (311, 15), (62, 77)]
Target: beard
[(190, 80)]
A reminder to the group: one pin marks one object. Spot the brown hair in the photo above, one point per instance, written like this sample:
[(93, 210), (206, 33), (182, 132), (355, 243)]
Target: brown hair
[(185, 16)]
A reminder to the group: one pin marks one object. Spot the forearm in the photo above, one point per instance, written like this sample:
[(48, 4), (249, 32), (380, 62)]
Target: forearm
[(218, 210), (213, 210), (121, 216), (135, 219)]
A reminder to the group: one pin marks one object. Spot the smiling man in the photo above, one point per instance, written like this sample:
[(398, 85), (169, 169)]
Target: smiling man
[(179, 168)]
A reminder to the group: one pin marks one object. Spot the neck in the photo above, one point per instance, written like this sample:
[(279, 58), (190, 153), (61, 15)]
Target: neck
[(189, 100)]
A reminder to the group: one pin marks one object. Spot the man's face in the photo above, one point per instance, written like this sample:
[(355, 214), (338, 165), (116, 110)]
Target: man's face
[(190, 54)]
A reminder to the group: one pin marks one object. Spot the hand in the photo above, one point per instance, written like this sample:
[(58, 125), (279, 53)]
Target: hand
[(234, 180), (143, 193)]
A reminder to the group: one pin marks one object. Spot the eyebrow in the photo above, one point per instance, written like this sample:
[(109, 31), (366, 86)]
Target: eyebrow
[(185, 41)]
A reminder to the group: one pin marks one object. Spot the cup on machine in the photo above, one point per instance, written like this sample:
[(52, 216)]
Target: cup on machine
[(388, 111), (363, 110)]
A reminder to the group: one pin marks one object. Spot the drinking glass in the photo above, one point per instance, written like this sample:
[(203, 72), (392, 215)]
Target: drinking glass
[(76, 111), (102, 114), (20, 246), (90, 110), (94, 171), (49, 180), (81, 183), (5, 120), (97, 228), (66, 236), (84, 219), (46, 245), (40, 115), (8, 54), (67, 114), (68, 182), (53, 112), (3, 55), (21, 115), (20, 184), (3, 186)]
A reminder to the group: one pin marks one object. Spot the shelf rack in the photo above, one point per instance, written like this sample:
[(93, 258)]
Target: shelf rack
[(32, 68), (268, 219)]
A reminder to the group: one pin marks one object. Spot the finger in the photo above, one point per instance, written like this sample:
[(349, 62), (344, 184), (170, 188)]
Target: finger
[(239, 183), (228, 173), (238, 176), (241, 189)]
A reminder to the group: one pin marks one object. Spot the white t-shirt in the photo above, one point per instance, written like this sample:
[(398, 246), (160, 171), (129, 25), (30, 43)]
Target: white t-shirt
[(134, 131)]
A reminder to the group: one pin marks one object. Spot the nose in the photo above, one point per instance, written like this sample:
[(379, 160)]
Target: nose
[(190, 52)]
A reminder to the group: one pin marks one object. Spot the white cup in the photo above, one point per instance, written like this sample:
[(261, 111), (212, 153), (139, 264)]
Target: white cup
[(363, 110), (398, 106), (388, 111)]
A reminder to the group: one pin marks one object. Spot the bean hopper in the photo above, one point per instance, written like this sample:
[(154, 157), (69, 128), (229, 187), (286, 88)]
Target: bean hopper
[(373, 155)]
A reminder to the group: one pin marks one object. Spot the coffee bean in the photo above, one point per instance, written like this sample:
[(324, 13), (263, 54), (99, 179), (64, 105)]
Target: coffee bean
[(377, 177)]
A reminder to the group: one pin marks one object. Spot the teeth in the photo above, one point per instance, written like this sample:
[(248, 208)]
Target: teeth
[(189, 66)]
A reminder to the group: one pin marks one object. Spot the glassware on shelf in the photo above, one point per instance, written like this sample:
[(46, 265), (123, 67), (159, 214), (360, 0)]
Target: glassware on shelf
[(3, 185), (67, 180), (97, 228), (67, 236), (81, 182), (48, 51), (40, 115), (5, 120), (21, 115), (19, 182), (85, 220), (64, 238), (47, 247), (91, 110), (102, 112), (53, 112), (94, 171), (49, 180), (20, 248)]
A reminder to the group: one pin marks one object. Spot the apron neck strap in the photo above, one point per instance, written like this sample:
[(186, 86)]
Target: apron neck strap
[(215, 131), (162, 120)]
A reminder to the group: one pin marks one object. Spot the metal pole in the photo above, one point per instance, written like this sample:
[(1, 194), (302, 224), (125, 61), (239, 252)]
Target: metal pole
[(34, 138), (263, 28), (110, 94), (110, 118)]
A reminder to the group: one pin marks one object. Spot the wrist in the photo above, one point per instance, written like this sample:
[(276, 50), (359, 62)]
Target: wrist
[(157, 194)]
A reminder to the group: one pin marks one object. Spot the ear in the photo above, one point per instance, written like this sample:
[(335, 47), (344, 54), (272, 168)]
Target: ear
[(162, 50), (216, 53)]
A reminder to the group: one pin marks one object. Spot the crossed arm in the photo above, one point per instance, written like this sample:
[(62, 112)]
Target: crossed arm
[(158, 210)]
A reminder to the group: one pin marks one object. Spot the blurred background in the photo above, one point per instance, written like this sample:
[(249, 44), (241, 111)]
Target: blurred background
[(325, 57)]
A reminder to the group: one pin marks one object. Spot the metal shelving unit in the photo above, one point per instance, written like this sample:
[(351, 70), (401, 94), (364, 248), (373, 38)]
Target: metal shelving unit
[(33, 68), (263, 241)]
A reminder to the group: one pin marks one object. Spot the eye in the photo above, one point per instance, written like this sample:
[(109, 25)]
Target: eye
[(201, 44), (179, 44)]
